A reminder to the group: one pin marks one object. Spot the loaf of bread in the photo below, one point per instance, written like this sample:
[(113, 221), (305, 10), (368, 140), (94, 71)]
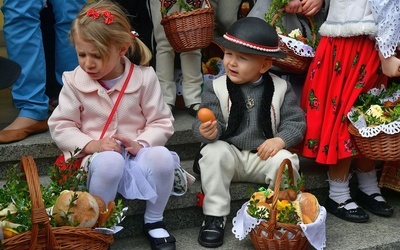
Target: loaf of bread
[(309, 207), (76, 209)]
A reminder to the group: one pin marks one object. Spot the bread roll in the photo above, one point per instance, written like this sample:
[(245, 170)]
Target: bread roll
[(84, 211), (309, 207)]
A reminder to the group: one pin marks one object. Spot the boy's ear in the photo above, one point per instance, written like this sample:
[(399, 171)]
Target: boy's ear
[(266, 65)]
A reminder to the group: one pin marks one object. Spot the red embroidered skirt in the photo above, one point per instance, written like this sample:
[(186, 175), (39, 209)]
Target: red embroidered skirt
[(341, 69)]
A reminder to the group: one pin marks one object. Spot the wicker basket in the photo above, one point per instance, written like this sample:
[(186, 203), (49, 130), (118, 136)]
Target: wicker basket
[(189, 30), (383, 146), (293, 63), (42, 235), (272, 234)]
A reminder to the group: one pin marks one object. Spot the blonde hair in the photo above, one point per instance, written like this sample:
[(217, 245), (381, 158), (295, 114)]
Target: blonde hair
[(103, 32)]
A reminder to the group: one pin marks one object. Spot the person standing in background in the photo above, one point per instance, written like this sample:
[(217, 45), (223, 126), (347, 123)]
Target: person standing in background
[(24, 44), (346, 64), (226, 13), (165, 62)]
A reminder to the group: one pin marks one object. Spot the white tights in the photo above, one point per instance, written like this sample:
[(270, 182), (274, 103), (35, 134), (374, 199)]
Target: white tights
[(106, 170)]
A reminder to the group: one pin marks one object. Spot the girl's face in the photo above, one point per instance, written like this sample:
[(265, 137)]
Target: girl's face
[(92, 63), (244, 68)]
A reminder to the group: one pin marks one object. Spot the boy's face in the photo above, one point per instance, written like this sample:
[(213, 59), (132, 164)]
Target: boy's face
[(244, 68)]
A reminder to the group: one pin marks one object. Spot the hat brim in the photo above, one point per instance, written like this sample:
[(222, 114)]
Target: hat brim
[(243, 49), (9, 72)]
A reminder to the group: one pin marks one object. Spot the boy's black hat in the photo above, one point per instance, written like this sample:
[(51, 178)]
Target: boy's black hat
[(252, 35), (9, 72)]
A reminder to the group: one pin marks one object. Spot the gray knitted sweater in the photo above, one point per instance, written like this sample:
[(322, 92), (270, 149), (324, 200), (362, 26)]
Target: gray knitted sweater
[(290, 125)]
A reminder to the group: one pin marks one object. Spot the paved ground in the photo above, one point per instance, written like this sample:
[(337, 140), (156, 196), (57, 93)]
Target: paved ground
[(379, 233)]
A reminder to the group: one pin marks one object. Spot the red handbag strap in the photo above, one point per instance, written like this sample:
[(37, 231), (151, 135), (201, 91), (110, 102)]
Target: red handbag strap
[(117, 101)]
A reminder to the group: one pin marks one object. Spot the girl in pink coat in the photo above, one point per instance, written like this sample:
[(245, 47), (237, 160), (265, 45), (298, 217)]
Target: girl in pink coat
[(130, 158)]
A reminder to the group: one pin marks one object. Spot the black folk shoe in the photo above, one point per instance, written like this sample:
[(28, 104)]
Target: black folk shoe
[(167, 243), (376, 207), (212, 232), (357, 215)]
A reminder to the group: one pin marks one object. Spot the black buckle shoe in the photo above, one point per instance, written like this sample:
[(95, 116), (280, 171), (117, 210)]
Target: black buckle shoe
[(212, 232), (376, 207), (357, 215), (167, 243)]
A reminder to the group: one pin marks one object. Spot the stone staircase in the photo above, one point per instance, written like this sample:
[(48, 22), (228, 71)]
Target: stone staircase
[(184, 217)]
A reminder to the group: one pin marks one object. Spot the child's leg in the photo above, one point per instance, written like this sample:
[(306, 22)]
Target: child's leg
[(158, 165), (105, 172)]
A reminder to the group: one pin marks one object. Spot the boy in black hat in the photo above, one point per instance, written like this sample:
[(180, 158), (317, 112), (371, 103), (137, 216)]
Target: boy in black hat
[(257, 120)]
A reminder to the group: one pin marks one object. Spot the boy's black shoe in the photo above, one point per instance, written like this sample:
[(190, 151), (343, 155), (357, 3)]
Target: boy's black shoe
[(377, 207), (167, 243), (353, 215), (212, 232)]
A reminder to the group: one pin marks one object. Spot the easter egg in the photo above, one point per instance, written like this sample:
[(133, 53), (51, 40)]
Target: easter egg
[(205, 115)]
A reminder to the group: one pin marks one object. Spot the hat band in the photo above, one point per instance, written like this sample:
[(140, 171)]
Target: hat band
[(251, 45)]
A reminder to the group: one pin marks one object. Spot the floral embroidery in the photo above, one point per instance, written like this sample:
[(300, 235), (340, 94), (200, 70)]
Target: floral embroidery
[(312, 144), (313, 100), (349, 147)]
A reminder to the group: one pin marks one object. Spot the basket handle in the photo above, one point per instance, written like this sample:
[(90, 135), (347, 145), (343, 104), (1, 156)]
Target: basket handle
[(310, 20), (164, 13), (38, 213), (286, 162)]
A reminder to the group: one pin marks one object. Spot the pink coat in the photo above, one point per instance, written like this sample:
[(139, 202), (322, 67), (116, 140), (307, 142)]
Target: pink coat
[(84, 106)]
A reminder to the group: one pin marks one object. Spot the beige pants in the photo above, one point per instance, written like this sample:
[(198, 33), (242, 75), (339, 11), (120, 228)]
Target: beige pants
[(222, 163), (165, 58)]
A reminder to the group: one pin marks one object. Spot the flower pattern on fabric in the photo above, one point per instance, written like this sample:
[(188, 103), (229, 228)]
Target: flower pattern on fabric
[(342, 69)]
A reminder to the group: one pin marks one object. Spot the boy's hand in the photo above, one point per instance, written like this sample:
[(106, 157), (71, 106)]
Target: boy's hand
[(132, 147), (311, 7), (270, 147), (209, 130)]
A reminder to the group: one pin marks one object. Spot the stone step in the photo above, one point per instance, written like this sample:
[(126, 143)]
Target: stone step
[(378, 233)]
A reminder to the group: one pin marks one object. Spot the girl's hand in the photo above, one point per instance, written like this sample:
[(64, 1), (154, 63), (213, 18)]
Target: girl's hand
[(270, 147), (105, 144), (209, 130), (294, 6), (311, 7), (131, 146), (390, 65)]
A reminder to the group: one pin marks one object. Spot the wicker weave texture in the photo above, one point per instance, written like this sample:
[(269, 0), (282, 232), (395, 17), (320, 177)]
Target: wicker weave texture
[(42, 235), (191, 30), (273, 235), (382, 147)]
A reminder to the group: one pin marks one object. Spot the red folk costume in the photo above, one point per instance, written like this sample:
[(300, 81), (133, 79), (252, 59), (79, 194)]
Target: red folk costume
[(342, 69)]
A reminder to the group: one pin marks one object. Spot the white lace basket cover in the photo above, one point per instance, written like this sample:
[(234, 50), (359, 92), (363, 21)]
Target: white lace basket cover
[(361, 125), (315, 232), (298, 47)]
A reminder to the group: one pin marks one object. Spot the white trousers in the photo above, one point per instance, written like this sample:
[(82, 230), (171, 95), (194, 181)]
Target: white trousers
[(165, 58), (222, 163)]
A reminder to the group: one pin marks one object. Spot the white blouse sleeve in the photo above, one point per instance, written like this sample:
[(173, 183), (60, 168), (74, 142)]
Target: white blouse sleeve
[(387, 17)]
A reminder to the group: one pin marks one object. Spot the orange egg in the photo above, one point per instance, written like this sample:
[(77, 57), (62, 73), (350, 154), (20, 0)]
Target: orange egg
[(205, 115)]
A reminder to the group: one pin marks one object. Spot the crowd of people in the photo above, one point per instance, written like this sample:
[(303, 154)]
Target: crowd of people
[(118, 94)]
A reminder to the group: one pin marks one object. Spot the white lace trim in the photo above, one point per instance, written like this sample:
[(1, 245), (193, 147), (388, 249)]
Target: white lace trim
[(387, 16), (315, 232), (361, 125), (298, 47)]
